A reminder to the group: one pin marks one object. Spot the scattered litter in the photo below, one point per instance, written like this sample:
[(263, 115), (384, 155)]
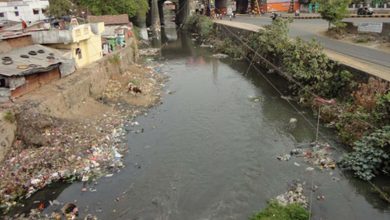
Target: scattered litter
[(321, 197), (54, 203), (70, 210), (149, 51), (292, 124), (297, 164), (336, 179), (109, 175), (293, 195), (255, 98), (317, 154), (220, 56), (206, 45), (285, 157), (309, 169)]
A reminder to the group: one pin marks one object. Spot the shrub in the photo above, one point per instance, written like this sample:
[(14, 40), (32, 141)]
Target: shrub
[(228, 47), (382, 109), (115, 59), (275, 211), (353, 123), (303, 62), (200, 24), (368, 94), (370, 156), (9, 117)]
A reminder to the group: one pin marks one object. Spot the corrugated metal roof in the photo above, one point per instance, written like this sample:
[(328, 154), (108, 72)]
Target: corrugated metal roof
[(32, 64)]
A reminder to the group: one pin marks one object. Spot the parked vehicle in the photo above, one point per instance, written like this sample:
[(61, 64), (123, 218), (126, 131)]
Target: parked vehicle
[(365, 11)]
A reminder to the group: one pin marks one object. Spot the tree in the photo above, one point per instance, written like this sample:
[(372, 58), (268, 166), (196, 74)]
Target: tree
[(334, 11), (59, 8), (112, 7)]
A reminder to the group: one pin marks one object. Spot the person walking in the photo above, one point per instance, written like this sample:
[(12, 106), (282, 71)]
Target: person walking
[(230, 12), (234, 8)]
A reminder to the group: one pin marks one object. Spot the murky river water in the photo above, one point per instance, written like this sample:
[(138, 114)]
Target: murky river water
[(209, 151)]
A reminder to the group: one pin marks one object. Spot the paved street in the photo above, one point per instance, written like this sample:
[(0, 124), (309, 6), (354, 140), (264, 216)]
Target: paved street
[(309, 29)]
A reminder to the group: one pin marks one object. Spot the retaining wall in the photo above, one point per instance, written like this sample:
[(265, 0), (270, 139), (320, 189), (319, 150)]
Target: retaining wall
[(87, 82)]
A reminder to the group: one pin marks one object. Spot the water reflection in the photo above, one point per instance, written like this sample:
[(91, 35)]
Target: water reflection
[(215, 63)]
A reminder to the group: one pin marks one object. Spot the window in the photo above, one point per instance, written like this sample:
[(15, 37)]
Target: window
[(1, 14), (43, 11), (35, 11), (16, 8), (2, 83), (16, 13), (78, 53)]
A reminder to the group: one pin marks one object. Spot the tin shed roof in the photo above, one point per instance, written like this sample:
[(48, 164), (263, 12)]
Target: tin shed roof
[(29, 60)]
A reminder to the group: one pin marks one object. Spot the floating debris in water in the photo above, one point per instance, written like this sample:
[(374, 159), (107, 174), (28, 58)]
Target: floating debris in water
[(220, 56)]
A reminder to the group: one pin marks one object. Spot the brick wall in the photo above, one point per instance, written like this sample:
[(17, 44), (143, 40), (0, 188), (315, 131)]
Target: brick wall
[(35, 81)]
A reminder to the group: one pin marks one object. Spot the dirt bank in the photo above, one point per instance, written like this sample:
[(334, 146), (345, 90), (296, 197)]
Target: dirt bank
[(73, 129)]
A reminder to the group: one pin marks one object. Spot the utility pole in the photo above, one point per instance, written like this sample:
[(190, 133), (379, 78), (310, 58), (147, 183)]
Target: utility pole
[(155, 19)]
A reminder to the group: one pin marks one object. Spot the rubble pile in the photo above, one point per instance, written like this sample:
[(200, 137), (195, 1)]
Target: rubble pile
[(71, 150)]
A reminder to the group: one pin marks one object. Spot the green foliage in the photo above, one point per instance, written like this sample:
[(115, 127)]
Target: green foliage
[(353, 124), (382, 109), (275, 211), (113, 7), (371, 155), (59, 8), (115, 59), (227, 46), (303, 62), (9, 117), (312, 68), (200, 24), (334, 11)]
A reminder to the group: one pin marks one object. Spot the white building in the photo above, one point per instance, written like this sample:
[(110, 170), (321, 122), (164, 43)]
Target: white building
[(28, 10)]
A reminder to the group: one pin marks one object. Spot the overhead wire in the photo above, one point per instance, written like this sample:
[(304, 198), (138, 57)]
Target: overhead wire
[(376, 188), (288, 76)]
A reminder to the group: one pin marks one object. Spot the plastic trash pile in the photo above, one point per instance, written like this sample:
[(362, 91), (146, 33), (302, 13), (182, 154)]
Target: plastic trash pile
[(318, 154), (293, 195)]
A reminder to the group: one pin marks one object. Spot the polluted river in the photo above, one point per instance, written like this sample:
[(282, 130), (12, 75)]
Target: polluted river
[(210, 149)]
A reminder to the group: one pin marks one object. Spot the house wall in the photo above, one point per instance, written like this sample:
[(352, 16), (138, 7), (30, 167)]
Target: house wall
[(19, 42), (35, 81), (81, 37), (91, 51), (25, 9)]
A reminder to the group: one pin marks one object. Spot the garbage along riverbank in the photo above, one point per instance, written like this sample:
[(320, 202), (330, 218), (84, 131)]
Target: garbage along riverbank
[(210, 151), (66, 141)]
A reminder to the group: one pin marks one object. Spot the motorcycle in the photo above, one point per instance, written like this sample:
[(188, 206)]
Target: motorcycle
[(365, 11)]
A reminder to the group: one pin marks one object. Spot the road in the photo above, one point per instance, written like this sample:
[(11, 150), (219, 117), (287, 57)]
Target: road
[(308, 29)]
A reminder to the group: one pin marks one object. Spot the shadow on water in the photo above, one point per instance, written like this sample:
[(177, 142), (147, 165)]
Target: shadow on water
[(44, 196)]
